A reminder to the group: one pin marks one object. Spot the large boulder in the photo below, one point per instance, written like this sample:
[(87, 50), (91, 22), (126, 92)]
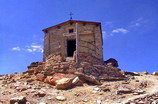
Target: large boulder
[(87, 78), (64, 83), (124, 90), (58, 76), (112, 62), (155, 73)]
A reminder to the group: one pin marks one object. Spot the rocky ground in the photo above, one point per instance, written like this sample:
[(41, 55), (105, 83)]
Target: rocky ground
[(22, 88), (60, 81)]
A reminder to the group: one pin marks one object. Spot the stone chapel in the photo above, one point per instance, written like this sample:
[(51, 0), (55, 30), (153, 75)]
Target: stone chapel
[(82, 38)]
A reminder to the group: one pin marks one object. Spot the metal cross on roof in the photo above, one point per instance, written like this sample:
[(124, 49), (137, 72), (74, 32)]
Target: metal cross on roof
[(71, 15)]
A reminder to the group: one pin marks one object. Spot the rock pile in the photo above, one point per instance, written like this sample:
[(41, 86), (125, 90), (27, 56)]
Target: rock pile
[(57, 70)]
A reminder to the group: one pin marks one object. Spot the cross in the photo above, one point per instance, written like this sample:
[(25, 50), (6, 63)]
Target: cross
[(71, 15)]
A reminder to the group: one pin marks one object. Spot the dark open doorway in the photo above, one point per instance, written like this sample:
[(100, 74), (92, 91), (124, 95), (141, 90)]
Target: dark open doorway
[(71, 47)]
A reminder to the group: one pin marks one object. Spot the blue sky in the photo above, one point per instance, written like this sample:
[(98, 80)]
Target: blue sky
[(129, 28)]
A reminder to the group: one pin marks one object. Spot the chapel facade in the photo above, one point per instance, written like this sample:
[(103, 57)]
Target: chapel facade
[(80, 38)]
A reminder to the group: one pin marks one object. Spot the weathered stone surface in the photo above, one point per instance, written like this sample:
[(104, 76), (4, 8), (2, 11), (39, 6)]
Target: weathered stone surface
[(75, 80), (40, 93), (1, 78), (155, 73), (40, 77), (55, 64), (138, 92), (18, 100), (112, 62), (123, 72), (141, 73), (48, 80), (90, 39), (60, 98), (98, 102), (96, 90), (34, 64), (64, 83), (123, 90), (88, 78), (21, 88), (59, 76), (42, 103), (132, 73), (105, 88)]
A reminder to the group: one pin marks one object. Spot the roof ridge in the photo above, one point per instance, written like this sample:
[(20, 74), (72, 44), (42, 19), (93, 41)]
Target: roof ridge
[(72, 21)]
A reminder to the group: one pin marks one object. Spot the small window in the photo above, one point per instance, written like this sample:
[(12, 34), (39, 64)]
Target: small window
[(71, 30)]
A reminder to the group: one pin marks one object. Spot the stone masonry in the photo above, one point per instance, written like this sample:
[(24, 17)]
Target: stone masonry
[(89, 39)]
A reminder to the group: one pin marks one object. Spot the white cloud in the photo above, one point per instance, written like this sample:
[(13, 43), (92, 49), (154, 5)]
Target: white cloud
[(132, 26), (120, 30), (34, 48), (31, 48), (114, 31), (138, 22), (16, 48)]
